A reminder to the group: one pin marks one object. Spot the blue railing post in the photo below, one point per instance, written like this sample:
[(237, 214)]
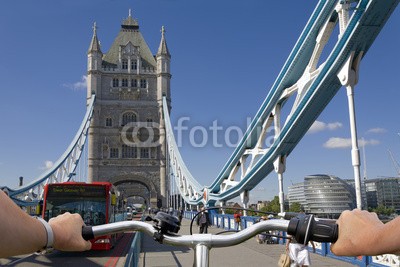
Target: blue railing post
[(366, 260), (282, 241), (324, 249)]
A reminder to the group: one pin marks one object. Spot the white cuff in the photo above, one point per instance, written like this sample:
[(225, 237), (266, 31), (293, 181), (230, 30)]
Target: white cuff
[(49, 233)]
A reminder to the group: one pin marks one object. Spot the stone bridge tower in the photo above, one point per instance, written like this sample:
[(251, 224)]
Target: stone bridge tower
[(127, 135)]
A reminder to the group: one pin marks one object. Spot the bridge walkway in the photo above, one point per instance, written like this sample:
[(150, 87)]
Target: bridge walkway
[(248, 253)]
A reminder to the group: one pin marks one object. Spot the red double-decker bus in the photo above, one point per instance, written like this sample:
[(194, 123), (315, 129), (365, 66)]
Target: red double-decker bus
[(95, 202)]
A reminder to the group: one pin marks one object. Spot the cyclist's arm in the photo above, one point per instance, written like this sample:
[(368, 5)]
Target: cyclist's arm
[(22, 234), (362, 233)]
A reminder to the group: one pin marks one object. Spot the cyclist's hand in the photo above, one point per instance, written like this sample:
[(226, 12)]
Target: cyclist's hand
[(359, 231), (67, 229)]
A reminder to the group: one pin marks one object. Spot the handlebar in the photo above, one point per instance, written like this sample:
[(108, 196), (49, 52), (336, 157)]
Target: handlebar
[(303, 228), (306, 228)]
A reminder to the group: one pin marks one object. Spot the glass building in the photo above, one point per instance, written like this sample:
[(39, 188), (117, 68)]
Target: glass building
[(324, 195), (296, 195), (383, 192)]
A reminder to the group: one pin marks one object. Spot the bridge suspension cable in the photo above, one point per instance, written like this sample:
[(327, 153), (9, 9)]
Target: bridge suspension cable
[(189, 188)]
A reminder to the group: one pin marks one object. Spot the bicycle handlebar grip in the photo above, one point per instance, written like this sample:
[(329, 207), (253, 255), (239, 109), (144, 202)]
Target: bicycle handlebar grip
[(87, 232), (323, 231), (305, 228)]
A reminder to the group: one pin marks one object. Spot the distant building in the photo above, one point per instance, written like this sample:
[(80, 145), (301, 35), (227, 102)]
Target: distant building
[(363, 191), (236, 205), (262, 204), (253, 206), (296, 195), (323, 195), (383, 192), (371, 194), (232, 204)]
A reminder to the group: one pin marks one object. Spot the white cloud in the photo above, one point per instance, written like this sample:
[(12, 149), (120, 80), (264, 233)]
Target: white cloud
[(47, 165), (338, 142), (377, 130), (260, 188), (80, 85), (371, 142), (319, 126)]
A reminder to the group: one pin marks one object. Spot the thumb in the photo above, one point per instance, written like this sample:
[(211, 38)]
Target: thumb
[(87, 245)]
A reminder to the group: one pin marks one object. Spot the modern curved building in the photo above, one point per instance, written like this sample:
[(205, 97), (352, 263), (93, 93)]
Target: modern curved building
[(325, 195)]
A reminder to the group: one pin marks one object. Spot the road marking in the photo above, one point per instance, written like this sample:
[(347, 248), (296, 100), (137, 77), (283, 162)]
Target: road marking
[(118, 251)]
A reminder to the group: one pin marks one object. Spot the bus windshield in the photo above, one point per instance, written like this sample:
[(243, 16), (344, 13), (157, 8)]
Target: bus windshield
[(88, 201), (93, 211)]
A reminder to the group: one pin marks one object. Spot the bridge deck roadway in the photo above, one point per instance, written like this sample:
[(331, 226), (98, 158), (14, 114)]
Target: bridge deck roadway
[(248, 253)]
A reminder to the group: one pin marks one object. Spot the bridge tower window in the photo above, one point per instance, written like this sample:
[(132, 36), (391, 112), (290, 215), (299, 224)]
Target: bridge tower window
[(143, 83), (134, 83), (129, 152), (125, 82), (134, 65), (115, 82), (144, 153), (108, 122), (128, 117), (124, 64), (114, 153)]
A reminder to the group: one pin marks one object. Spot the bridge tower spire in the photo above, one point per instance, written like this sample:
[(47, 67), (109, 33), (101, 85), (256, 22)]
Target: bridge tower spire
[(163, 59), (94, 63)]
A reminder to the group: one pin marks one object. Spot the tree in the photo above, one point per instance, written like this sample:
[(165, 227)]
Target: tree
[(295, 207), (272, 206), (382, 210)]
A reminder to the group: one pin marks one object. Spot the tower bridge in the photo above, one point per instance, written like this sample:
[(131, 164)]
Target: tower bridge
[(129, 134), (128, 131)]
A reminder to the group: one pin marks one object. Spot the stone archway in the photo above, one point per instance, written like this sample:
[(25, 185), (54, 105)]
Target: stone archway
[(134, 193), (152, 194)]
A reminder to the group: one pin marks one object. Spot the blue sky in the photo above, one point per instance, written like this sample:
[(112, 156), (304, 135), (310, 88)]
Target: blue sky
[(225, 57)]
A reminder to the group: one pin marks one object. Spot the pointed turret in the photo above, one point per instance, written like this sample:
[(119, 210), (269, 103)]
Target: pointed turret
[(163, 56), (95, 44), (94, 64), (163, 48), (94, 54), (163, 70)]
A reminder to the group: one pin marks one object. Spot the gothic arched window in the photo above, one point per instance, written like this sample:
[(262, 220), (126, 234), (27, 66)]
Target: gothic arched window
[(129, 152), (133, 65), (124, 64), (128, 117), (115, 82), (134, 83), (143, 83)]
